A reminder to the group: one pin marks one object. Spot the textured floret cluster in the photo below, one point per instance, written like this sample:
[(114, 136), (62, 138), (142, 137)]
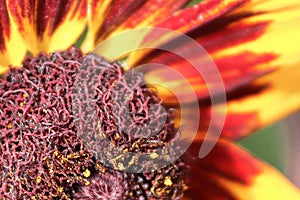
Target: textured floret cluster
[(62, 113)]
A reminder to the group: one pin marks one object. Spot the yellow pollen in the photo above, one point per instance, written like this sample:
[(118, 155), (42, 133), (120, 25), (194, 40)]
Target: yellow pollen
[(168, 181), (121, 166), (9, 126), (87, 173), (100, 167), (153, 155), (38, 179)]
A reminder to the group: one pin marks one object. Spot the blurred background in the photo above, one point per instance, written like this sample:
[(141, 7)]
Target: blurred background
[(278, 145)]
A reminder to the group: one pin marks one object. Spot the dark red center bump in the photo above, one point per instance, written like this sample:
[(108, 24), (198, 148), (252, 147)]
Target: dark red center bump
[(57, 109)]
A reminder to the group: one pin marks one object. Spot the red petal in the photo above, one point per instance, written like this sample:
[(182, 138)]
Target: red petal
[(229, 172), (152, 12), (4, 25), (265, 101), (48, 25), (235, 72), (106, 19), (259, 27), (187, 20), (119, 11), (199, 14), (221, 33), (225, 161), (12, 50)]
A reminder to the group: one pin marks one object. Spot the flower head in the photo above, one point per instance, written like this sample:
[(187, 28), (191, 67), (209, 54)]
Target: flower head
[(76, 126)]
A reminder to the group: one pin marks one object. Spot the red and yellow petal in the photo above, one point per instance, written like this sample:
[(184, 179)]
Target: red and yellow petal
[(268, 99), (208, 77), (281, 31), (199, 14), (186, 20), (264, 101), (12, 50), (229, 172), (244, 45), (236, 69), (48, 25), (152, 12), (104, 16), (107, 18)]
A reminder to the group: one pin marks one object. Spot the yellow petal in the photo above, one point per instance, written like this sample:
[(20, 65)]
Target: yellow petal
[(104, 16), (97, 10), (12, 50), (269, 99), (269, 184), (230, 172), (48, 25), (280, 36)]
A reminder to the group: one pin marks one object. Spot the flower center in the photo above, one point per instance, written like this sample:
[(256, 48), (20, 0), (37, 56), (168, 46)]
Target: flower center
[(67, 122)]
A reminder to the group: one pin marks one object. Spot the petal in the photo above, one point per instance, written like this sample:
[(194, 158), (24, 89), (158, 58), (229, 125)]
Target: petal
[(97, 10), (107, 18), (48, 25), (280, 20), (192, 17), (104, 16), (233, 33), (236, 70), (267, 100), (152, 12), (255, 38), (187, 20), (250, 108), (12, 50), (207, 78), (229, 172)]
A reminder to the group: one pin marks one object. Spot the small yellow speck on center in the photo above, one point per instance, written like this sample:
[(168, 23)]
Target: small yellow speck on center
[(9, 126), (87, 173), (121, 166), (168, 181), (39, 179), (153, 155), (60, 189)]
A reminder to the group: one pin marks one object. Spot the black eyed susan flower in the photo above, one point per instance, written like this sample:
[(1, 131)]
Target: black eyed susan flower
[(48, 129)]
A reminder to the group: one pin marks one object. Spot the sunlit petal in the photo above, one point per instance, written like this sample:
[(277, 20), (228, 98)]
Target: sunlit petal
[(104, 16), (188, 19), (278, 37), (267, 100), (12, 50), (229, 172), (235, 71), (152, 12), (199, 14), (48, 25)]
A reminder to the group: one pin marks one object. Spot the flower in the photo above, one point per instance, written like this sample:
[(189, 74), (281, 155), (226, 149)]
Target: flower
[(250, 41)]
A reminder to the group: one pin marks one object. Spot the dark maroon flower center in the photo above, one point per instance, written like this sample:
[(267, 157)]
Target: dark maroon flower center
[(67, 121)]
